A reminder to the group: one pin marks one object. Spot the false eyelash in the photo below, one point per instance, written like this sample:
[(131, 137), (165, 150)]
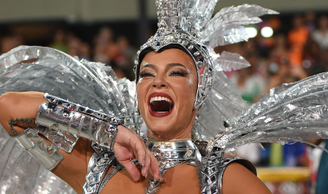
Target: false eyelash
[(146, 74), (179, 73)]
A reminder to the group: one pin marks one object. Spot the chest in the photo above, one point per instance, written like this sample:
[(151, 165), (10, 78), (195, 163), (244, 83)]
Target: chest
[(179, 179)]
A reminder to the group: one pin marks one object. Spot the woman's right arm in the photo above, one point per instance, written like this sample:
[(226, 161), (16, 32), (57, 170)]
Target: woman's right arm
[(72, 169), (17, 105)]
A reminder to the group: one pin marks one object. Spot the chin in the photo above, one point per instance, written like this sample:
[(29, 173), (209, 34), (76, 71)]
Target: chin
[(161, 128)]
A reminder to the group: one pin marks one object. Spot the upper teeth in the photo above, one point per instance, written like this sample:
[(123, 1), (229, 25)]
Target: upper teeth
[(159, 98)]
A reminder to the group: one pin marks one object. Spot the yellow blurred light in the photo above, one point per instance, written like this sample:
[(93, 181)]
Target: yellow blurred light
[(267, 32), (251, 31)]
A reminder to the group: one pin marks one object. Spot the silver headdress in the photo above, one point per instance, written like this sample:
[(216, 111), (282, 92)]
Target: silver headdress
[(188, 24)]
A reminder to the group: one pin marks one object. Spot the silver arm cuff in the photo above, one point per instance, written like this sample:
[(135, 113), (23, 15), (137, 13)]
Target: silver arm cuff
[(48, 156), (88, 124)]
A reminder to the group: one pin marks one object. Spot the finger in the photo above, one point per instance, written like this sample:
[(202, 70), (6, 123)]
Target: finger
[(140, 155), (145, 168), (132, 170), (154, 168), (139, 151)]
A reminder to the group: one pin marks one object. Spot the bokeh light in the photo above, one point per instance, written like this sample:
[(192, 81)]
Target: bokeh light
[(251, 31), (266, 32)]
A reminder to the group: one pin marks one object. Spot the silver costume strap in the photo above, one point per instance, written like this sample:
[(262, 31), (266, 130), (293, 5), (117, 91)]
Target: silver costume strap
[(48, 156), (208, 169), (78, 120), (169, 154), (97, 168)]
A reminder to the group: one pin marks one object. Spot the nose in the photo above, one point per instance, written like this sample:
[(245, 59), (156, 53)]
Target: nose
[(159, 82)]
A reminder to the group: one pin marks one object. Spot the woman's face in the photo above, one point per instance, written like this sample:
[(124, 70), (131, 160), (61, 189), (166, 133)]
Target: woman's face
[(166, 92)]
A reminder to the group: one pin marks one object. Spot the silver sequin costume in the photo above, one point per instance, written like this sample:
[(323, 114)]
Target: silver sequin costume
[(292, 112)]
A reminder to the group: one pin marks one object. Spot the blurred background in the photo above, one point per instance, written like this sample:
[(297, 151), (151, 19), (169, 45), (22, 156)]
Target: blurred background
[(283, 48)]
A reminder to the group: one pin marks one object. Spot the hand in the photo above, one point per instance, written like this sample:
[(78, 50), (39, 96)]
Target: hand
[(129, 146)]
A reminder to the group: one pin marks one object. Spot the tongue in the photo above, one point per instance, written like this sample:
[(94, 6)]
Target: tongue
[(161, 106)]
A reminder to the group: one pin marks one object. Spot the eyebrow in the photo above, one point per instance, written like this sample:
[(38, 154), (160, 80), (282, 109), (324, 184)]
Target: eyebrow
[(176, 64), (149, 66), (169, 65)]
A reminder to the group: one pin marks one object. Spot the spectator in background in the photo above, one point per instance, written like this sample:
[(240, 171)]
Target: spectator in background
[(119, 58), (9, 42), (297, 38), (320, 36), (74, 45), (59, 41), (85, 51), (126, 50), (313, 61), (127, 54), (279, 52), (102, 43), (310, 20), (251, 84), (278, 62)]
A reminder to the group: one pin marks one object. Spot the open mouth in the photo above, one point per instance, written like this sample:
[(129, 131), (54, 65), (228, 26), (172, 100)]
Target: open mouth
[(160, 104)]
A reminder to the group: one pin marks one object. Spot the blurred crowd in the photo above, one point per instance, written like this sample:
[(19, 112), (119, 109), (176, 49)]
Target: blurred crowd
[(285, 57), (113, 51), (300, 52), (282, 58)]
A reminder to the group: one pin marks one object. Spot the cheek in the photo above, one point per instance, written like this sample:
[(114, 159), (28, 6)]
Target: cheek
[(141, 94), (191, 86), (187, 91), (142, 89)]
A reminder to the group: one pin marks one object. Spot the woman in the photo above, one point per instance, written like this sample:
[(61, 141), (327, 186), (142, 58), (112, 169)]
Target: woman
[(175, 75), (170, 75)]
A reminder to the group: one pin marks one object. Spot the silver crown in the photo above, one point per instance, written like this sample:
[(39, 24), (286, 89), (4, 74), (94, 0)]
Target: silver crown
[(190, 25), (177, 27)]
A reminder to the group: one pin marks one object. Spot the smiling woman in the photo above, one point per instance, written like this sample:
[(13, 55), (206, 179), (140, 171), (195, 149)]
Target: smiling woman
[(192, 113), (170, 74), (175, 74)]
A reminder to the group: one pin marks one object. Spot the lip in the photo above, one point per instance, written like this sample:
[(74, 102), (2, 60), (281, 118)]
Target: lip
[(158, 114)]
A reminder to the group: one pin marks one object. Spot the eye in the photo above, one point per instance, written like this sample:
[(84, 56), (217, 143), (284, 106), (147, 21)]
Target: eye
[(146, 74), (179, 72)]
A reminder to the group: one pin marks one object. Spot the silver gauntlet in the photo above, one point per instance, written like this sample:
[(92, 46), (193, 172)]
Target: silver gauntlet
[(48, 156), (78, 120)]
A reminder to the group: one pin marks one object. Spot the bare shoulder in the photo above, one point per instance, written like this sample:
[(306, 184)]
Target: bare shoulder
[(237, 179)]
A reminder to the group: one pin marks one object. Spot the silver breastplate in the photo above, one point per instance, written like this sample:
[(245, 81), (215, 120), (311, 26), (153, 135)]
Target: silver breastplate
[(169, 154)]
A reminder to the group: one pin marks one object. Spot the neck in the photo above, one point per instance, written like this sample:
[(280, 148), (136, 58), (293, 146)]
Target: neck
[(186, 134), (169, 135)]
